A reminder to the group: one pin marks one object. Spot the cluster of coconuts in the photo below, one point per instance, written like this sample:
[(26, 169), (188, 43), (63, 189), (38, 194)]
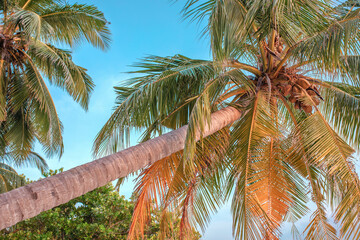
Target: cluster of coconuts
[(297, 89), (12, 47)]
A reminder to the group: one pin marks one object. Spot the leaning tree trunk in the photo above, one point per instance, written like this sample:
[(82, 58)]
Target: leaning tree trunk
[(34, 198)]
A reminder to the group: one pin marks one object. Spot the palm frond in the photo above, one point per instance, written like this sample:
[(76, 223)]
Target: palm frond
[(249, 219), (9, 178), (151, 188), (327, 47), (31, 24), (25, 159), (60, 22), (74, 23), (341, 109), (44, 111), (58, 67), (168, 83)]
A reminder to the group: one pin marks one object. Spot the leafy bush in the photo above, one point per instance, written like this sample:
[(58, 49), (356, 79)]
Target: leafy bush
[(100, 214)]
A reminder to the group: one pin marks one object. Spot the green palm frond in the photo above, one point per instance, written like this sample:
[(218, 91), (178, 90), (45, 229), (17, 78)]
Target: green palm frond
[(168, 84), (31, 24), (9, 179), (62, 23), (58, 67), (74, 23), (316, 135), (341, 109), (327, 47), (200, 113), (52, 140), (349, 70), (25, 159)]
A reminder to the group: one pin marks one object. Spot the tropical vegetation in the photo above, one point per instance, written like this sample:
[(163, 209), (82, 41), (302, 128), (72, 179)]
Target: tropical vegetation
[(99, 214), (292, 68), (30, 33)]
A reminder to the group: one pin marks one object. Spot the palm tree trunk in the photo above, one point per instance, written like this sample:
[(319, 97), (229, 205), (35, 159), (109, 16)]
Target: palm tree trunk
[(34, 198)]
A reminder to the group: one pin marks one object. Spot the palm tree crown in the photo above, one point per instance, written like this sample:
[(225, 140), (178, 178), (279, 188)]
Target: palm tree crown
[(292, 68), (29, 33)]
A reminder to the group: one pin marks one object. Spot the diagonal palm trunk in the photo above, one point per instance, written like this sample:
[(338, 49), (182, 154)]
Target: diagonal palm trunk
[(34, 198)]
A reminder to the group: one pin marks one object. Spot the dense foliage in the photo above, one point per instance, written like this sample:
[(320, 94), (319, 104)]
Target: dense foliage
[(292, 68), (100, 214)]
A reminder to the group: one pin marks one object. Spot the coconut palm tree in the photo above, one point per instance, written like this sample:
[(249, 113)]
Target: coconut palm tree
[(30, 31), (285, 75), (34, 198), (292, 69)]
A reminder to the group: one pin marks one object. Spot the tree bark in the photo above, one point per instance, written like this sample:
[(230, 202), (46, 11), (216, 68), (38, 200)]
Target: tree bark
[(34, 198)]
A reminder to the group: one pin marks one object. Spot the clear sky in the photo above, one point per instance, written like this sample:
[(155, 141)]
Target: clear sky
[(139, 28)]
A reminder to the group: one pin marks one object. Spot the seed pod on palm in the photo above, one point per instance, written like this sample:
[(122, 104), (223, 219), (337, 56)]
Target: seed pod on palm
[(303, 83), (311, 92), (307, 109), (316, 100), (314, 91)]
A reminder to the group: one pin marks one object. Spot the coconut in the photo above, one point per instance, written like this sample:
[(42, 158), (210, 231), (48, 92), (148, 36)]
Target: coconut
[(307, 109), (303, 83), (316, 100), (311, 92)]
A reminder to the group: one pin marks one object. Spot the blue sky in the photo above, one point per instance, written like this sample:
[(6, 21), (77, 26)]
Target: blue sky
[(139, 28)]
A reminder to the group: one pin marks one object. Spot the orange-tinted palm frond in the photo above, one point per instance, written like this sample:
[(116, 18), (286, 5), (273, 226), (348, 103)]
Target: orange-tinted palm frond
[(152, 186), (272, 187), (187, 205), (166, 184), (199, 193), (249, 138)]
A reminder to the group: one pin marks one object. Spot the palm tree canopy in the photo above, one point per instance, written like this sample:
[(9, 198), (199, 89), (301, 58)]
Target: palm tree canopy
[(293, 69), (30, 33)]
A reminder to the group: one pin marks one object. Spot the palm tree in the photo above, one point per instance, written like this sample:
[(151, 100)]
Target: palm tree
[(293, 69), (290, 68), (34, 198), (29, 33)]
